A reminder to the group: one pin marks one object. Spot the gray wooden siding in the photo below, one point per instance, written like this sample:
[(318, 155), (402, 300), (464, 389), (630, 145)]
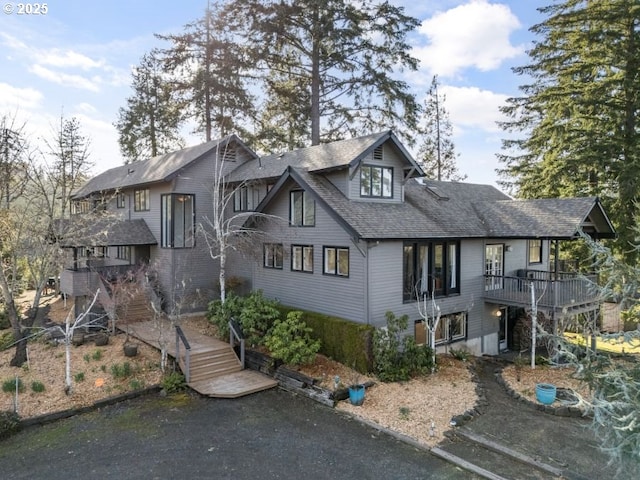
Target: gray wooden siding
[(389, 159), (340, 179), (385, 280), (329, 294)]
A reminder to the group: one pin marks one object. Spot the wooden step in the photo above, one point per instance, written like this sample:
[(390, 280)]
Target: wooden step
[(234, 385), (215, 370)]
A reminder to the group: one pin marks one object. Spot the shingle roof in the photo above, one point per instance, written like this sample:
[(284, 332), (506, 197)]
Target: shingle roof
[(446, 210), (317, 158), (544, 218), (156, 169), (83, 231)]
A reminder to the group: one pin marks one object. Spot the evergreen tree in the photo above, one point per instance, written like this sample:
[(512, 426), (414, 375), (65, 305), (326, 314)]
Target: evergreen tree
[(334, 62), (437, 154), (149, 123), (69, 149), (578, 117), (209, 71)]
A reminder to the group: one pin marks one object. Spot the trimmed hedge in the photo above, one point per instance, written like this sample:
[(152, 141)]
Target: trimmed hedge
[(344, 341)]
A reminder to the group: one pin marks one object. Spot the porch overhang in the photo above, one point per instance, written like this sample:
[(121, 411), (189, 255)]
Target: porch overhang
[(108, 232)]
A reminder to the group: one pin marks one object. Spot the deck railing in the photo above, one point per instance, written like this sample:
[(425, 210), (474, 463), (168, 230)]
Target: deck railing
[(551, 291), (235, 333), (181, 338)]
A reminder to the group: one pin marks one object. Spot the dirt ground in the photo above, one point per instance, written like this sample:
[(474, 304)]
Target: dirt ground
[(421, 408)]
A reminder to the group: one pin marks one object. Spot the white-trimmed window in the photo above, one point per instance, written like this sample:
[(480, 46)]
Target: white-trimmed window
[(336, 261), (272, 255), (120, 200), (302, 258)]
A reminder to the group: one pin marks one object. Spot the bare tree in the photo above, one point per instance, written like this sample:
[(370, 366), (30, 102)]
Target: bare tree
[(226, 230), (431, 320), (70, 327)]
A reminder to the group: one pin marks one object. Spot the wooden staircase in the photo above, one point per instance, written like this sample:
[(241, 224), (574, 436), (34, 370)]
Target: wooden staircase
[(214, 369)]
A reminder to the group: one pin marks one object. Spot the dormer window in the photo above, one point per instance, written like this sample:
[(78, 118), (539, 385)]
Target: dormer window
[(376, 181)]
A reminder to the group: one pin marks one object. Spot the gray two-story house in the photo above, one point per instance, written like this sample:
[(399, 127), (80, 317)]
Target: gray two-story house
[(351, 229)]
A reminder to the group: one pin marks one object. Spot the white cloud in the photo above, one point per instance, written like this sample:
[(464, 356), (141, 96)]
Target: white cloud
[(68, 59), (471, 107), (85, 107), (475, 34), (19, 98), (65, 79)]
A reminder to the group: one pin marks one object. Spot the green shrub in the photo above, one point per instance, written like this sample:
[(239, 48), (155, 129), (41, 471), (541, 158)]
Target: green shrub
[(6, 340), (86, 357), (290, 340), (173, 382), (121, 371), (9, 385), (461, 354), (97, 355), (219, 313), (9, 423), (254, 313), (397, 358), (136, 384), (4, 318), (342, 340), (79, 377), (37, 386)]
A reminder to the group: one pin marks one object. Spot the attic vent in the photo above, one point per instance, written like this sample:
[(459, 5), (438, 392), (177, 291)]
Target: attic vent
[(436, 192), (377, 153), (229, 154)]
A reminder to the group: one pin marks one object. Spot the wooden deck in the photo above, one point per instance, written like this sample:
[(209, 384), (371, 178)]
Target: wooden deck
[(214, 369)]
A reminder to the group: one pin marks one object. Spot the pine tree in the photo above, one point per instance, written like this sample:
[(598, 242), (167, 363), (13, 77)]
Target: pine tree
[(69, 149), (209, 71), (149, 124), (437, 154), (337, 73), (577, 119)]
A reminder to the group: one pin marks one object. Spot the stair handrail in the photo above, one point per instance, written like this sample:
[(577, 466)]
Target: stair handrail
[(235, 332), (180, 337)]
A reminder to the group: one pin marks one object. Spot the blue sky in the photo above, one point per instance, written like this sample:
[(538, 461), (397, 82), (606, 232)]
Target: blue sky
[(77, 59)]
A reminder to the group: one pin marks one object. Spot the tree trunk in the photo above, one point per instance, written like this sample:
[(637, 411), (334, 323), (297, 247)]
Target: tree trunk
[(20, 355), (315, 84)]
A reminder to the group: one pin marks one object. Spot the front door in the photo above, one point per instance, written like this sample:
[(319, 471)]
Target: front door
[(493, 266)]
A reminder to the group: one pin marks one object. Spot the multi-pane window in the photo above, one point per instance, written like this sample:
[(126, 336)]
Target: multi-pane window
[(80, 206), (120, 200), (302, 258), (431, 267), (336, 261), (376, 181), (272, 253), (123, 253), (245, 199), (535, 251), (302, 209), (451, 328), (141, 201), (177, 225)]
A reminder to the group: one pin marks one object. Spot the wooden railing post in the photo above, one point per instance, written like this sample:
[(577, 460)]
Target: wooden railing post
[(180, 337)]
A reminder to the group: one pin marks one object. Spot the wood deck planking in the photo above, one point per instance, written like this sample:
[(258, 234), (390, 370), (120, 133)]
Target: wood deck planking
[(216, 371)]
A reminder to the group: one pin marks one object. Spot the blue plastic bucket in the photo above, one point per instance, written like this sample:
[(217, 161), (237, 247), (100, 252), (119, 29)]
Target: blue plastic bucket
[(356, 395), (546, 393)]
